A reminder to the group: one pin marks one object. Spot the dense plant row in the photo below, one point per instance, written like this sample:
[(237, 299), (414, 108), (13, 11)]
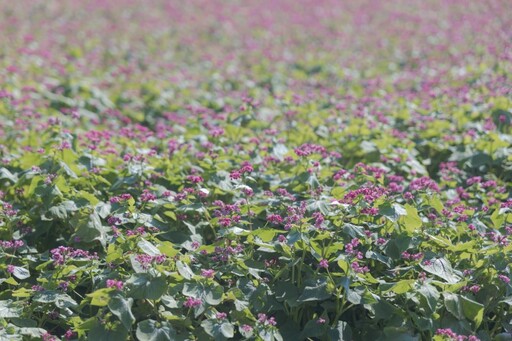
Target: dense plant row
[(207, 171)]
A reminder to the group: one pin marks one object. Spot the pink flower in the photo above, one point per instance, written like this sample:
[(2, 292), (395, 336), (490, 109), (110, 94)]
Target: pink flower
[(275, 219), (195, 179), (69, 334), (504, 278), (112, 283), (10, 268), (324, 263), (246, 328), (208, 273), (221, 316), (192, 302)]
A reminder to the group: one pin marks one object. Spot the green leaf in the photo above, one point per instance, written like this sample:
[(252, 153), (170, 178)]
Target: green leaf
[(412, 220), (286, 291), (497, 219), (341, 332), (21, 273), (184, 270), (148, 248), (47, 296), (121, 307), (315, 290), (441, 268), (269, 334), (151, 330), (103, 209), (392, 212), (472, 310), (220, 330), (398, 334), (430, 294), (379, 257), (436, 203), (99, 333), (6, 174), (453, 305), (210, 293), (265, 234), (63, 301), (144, 286), (100, 297), (402, 286), (62, 210), (90, 229), (32, 332), (9, 309)]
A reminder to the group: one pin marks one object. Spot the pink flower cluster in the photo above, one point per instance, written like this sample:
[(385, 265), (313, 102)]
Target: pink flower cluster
[(192, 302), (264, 319), (145, 260), (62, 253), (11, 244), (454, 336), (112, 283)]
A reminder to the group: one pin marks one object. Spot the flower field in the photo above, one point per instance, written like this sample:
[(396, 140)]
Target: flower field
[(256, 170)]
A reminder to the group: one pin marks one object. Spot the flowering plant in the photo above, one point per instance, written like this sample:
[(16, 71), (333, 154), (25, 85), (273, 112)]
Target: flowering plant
[(204, 170)]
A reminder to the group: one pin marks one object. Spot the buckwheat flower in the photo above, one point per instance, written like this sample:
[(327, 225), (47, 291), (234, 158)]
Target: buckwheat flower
[(64, 285), (112, 283), (248, 191), (208, 273), (235, 175), (262, 318), (275, 219), (417, 256), (69, 334), (473, 180), (144, 260), (281, 238), (474, 288), (324, 263), (192, 302), (246, 328), (467, 272), (37, 288), (225, 221), (321, 321), (147, 196), (359, 269), (446, 332), (271, 321), (381, 241), (216, 132), (246, 167), (221, 316), (159, 259), (504, 279), (195, 179), (48, 337), (65, 145), (10, 268)]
